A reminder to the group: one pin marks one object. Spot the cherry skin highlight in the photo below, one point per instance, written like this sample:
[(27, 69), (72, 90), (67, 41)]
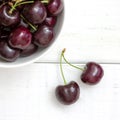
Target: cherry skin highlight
[(20, 38), (50, 21), (92, 74), (8, 19), (68, 94), (7, 53), (35, 13), (55, 7), (43, 36)]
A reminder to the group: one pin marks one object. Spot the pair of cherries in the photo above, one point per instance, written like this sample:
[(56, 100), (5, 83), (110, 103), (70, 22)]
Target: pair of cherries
[(69, 92)]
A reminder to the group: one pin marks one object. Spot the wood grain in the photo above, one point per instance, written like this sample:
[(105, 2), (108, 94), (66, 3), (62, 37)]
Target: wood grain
[(27, 93), (91, 31)]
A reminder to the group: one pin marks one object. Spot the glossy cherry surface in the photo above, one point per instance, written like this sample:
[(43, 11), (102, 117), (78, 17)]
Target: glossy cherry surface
[(8, 19), (55, 7), (50, 21), (32, 48), (7, 53), (68, 94), (35, 12), (20, 38), (92, 74), (43, 36)]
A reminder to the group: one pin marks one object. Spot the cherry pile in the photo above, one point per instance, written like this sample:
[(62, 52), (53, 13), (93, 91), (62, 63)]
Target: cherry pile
[(69, 93), (26, 25)]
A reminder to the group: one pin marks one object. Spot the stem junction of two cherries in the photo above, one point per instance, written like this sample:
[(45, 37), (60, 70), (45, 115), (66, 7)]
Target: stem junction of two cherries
[(69, 92), (62, 56)]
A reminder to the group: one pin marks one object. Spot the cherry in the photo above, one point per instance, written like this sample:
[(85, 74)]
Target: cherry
[(50, 21), (92, 74), (32, 48), (55, 7), (35, 12), (43, 36), (69, 93), (7, 53), (7, 18), (20, 38)]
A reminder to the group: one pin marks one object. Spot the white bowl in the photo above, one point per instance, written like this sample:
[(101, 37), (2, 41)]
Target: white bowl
[(30, 59)]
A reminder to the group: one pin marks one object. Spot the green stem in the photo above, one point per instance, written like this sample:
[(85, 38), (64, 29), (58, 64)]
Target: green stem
[(45, 1), (13, 8), (61, 69), (28, 2), (32, 26), (24, 2), (82, 69)]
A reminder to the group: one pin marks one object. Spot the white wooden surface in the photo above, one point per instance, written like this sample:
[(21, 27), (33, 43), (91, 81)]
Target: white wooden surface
[(27, 93), (91, 32)]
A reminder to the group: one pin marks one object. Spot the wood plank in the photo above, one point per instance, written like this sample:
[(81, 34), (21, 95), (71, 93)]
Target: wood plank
[(27, 93), (91, 31)]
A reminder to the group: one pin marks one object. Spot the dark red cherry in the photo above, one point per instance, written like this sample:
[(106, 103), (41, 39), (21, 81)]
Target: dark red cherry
[(8, 19), (32, 48), (92, 74), (7, 53), (35, 12), (55, 7), (43, 36), (50, 21), (68, 94), (20, 38)]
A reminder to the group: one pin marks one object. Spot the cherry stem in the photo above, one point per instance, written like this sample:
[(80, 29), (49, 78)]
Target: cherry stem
[(45, 1), (13, 7), (28, 2), (32, 26), (18, 3), (61, 69), (82, 69)]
